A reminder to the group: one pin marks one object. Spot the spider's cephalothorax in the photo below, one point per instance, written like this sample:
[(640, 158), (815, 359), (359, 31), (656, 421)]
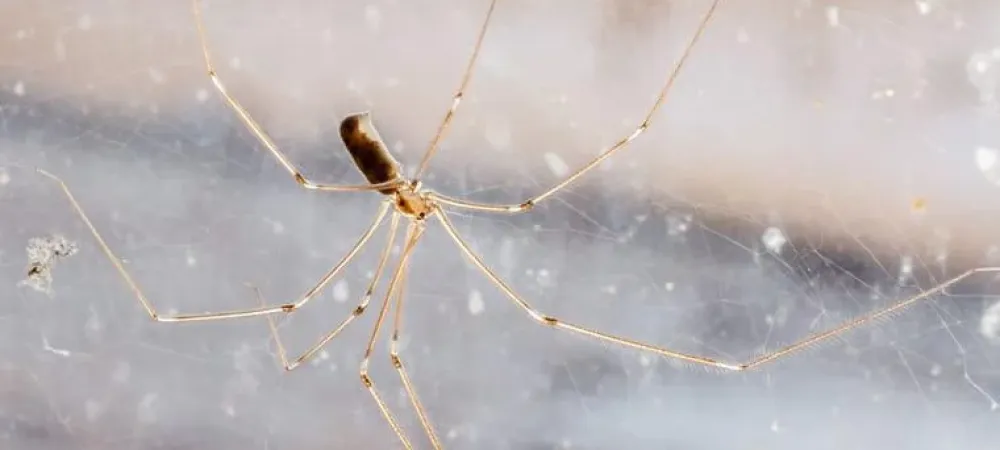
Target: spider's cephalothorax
[(373, 159)]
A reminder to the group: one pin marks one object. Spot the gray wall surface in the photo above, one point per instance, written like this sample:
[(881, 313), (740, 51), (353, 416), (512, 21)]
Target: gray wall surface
[(856, 133)]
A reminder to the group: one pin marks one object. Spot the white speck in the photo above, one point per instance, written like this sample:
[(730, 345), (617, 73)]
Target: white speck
[(201, 95), (833, 16), (989, 325), (936, 370), (988, 162), (190, 260), (774, 426), (55, 351), (669, 286), (476, 304), (156, 75), (905, 265), (741, 36), (398, 147), (228, 409), (277, 227), (923, 7), (905, 269), (556, 164), (498, 135), (332, 367), (543, 278), (981, 71), (452, 434), (122, 372), (84, 22), (981, 65), (20, 35), (341, 291), (678, 224), (885, 93), (610, 289), (324, 355), (235, 63), (19, 88), (645, 360), (373, 17), (4, 177), (773, 240), (145, 412), (93, 409)]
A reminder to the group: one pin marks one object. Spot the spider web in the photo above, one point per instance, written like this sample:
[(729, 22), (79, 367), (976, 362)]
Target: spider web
[(815, 161)]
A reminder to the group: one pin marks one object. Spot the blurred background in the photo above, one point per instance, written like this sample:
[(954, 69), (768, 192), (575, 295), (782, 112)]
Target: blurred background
[(815, 160)]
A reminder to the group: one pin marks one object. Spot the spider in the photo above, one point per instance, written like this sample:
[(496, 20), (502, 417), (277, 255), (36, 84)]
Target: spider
[(407, 199)]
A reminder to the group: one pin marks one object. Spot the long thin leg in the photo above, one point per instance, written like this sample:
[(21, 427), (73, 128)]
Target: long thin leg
[(457, 99), (358, 310), (259, 132), (260, 311), (397, 363), (753, 363), (622, 143), (413, 233)]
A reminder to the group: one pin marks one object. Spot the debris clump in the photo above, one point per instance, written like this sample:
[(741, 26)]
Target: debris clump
[(43, 253)]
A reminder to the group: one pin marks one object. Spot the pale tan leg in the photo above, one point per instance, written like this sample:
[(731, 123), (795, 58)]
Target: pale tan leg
[(531, 202), (397, 363), (259, 132), (413, 233), (260, 311), (753, 363), (457, 99), (358, 310)]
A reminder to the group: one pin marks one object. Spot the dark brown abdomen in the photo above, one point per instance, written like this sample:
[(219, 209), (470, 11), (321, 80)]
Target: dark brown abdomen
[(370, 154)]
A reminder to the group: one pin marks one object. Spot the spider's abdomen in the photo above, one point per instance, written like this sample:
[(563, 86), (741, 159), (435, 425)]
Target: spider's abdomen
[(370, 154)]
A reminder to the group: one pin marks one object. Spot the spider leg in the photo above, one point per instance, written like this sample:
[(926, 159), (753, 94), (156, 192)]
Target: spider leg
[(865, 319), (620, 144), (259, 132), (259, 311), (357, 312), (413, 233), (397, 363), (812, 339), (457, 99)]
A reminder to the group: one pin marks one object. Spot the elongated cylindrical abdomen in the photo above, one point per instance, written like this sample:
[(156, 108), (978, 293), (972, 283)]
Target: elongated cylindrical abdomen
[(368, 151)]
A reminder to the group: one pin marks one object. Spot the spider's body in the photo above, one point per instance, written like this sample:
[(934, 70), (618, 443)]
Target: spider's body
[(369, 152), (372, 158)]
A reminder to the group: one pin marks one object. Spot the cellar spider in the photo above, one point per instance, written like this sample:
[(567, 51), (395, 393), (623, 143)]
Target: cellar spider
[(408, 199)]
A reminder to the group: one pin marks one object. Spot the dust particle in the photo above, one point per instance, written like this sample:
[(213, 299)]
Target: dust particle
[(43, 253)]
